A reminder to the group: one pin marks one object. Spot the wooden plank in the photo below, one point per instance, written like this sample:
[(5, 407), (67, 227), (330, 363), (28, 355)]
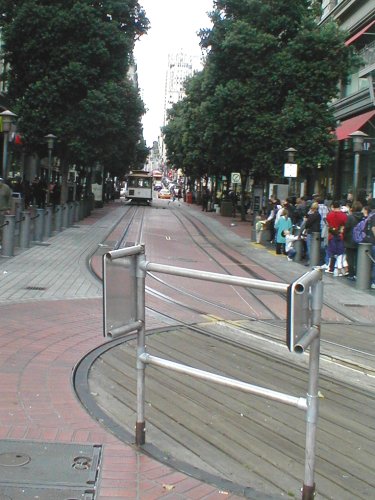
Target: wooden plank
[(247, 439)]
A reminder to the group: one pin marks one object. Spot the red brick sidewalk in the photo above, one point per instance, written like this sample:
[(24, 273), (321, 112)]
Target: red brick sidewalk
[(40, 344)]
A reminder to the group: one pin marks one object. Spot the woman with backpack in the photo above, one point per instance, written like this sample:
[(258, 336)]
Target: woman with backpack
[(351, 247)]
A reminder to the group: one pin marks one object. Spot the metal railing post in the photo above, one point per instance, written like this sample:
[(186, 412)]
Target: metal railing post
[(25, 229), (7, 249), (48, 222), (315, 250), (364, 264), (39, 224), (312, 412), (140, 433)]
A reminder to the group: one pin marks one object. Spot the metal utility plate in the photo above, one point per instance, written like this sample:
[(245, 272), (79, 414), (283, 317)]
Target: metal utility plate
[(26, 463), (29, 492)]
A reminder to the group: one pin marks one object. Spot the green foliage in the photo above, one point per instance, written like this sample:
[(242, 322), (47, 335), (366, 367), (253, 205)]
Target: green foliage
[(68, 63), (269, 76)]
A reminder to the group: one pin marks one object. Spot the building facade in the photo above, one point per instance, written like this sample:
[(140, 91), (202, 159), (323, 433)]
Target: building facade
[(354, 107), (180, 67)]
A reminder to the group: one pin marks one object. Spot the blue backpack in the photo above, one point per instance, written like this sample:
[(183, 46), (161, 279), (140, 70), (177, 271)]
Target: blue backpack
[(360, 230)]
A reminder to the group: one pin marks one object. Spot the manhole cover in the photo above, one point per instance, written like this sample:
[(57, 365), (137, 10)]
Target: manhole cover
[(14, 459), (49, 465)]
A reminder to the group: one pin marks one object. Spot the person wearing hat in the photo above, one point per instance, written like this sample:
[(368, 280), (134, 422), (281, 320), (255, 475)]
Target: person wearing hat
[(5, 203)]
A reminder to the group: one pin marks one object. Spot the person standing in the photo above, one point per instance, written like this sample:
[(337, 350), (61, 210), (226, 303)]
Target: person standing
[(336, 220), (5, 203), (312, 225), (283, 224), (205, 199), (351, 247)]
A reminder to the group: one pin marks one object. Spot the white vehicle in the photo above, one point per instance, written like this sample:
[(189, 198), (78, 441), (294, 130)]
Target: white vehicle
[(139, 187)]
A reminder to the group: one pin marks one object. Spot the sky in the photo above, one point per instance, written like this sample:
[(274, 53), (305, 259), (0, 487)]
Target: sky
[(173, 26)]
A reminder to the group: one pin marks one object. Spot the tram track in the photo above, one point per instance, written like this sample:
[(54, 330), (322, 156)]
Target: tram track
[(136, 225), (251, 348)]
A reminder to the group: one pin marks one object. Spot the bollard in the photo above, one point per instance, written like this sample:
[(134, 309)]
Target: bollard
[(298, 246), (7, 249), (33, 216), (364, 264), (86, 207), (81, 209), (70, 213), (25, 229), (48, 222), (76, 211), (315, 250), (65, 216), (58, 218), (39, 224)]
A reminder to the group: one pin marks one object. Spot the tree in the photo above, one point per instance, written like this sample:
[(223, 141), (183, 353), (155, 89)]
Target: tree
[(270, 74), (68, 62)]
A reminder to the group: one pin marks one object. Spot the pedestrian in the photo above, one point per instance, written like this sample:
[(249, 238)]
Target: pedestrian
[(311, 225), (351, 247), (271, 218), (300, 211), (205, 198), (336, 220), (284, 223), (370, 231), (289, 244), (39, 189), (5, 204), (234, 198)]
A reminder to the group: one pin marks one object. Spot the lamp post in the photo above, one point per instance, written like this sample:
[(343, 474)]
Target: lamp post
[(290, 168), (7, 119), (50, 142), (358, 138)]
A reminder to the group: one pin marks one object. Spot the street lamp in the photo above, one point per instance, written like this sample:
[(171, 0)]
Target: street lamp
[(358, 138), (7, 119), (50, 142), (290, 168)]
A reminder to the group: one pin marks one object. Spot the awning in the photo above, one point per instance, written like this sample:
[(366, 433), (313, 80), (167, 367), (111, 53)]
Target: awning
[(353, 124), (360, 33)]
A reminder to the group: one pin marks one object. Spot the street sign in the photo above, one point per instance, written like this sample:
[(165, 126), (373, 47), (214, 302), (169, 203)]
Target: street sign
[(235, 178), (290, 169)]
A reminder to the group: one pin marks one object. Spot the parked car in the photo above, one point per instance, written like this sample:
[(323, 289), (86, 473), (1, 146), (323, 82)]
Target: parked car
[(164, 194)]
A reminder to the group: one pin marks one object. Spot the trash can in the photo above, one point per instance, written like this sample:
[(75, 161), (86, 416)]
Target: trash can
[(189, 197), (226, 208)]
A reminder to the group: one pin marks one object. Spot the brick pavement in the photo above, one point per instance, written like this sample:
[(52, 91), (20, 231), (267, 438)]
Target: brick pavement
[(51, 316)]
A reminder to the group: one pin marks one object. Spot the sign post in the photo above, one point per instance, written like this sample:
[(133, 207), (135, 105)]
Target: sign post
[(290, 171)]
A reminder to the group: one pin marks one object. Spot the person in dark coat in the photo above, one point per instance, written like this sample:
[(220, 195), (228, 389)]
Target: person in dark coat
[(205, 199), (351, 247), (311, 225), (39, 188)]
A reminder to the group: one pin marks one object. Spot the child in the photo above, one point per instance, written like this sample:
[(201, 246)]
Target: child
[(289, 245)]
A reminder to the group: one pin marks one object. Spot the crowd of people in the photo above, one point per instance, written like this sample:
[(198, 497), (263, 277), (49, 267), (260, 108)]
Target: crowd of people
[(335, 221)]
